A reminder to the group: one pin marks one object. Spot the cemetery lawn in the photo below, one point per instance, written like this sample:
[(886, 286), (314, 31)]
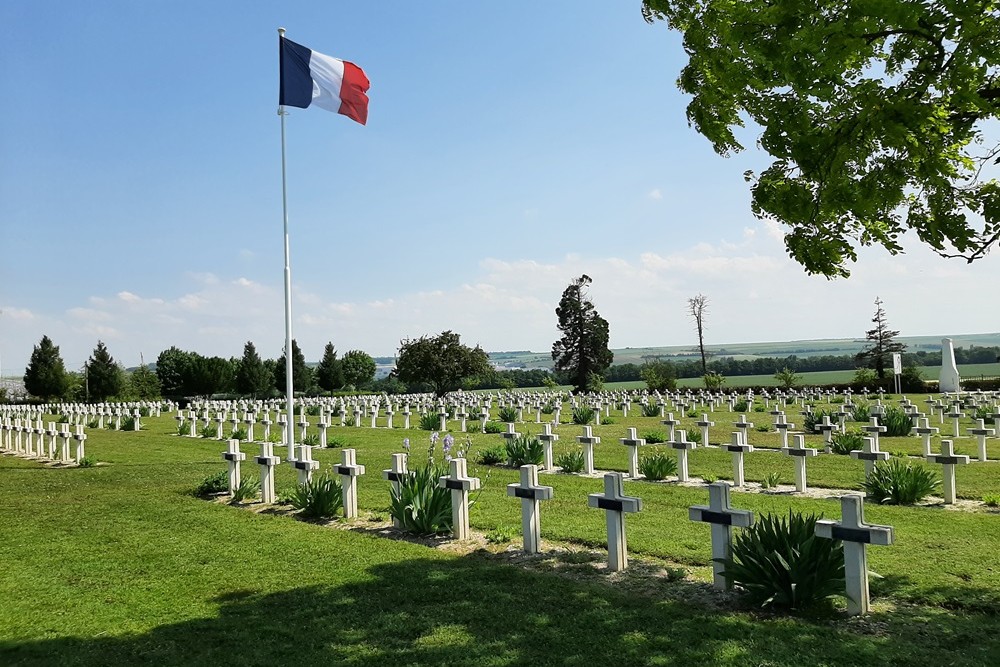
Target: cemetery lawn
[(119, 564)]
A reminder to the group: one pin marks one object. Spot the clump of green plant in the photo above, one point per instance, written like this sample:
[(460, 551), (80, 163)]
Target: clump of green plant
[(571, 461), (676, 574), (896, 422), (771, 481), (319, 498), (992, 499), (896, 482), (837, 400), (492, 456), (335, 443), (493, 427), (692, 414), (741, 405), (474, 414), (93, 423), (658, 466), (762, 428), (607, 421), (709, 478), (110, 425), (182, 428), (500, 535), (783, 564), (524, 450), (208, 431), (313, 410), (983, 412), (861, 412), (418, 504), (694, 436), (311, 440), (654, 437), (215, 483), (62, 419), (239, 433), (429, 421), (128, 423), (247, 489), (651, 410), (507, 413), (87, 462), (846, 442), (548, 408), (759, 408), (583, 415), (713, 380)]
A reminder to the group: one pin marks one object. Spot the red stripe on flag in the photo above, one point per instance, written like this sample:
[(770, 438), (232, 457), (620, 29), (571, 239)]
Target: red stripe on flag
[(353, 101)]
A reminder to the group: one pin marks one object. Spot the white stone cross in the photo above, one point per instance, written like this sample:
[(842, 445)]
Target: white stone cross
[(510, 433), (80, 438), (305, 464), (267, 462), (955, 414), (349, 470), (948, 460), (233, 456), (705, 424), (738, 448), (671, 424), (615, 505), (722, 517), (395, 475), (874, 429), (588, 440), (64, 434), (530, 493), (682, 446), (799, 452), (460, 484), (744, 426), (633, 442), (547, 437), (981, 433), (783, 427), (826, 428), (925, 431), (869, 454), (855, 534)]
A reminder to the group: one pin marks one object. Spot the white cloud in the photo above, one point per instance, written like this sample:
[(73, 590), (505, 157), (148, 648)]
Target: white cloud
[(655, 194)]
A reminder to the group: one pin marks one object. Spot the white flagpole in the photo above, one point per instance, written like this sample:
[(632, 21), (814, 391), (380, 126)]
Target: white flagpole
[(289, 388)]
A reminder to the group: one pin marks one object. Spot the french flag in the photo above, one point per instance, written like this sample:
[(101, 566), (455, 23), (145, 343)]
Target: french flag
[(311, 78)]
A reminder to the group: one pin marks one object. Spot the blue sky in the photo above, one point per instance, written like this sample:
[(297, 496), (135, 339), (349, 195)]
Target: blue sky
[(510, 147)]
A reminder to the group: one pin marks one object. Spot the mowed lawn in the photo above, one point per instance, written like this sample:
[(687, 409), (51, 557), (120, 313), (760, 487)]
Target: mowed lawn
[(120, 564)]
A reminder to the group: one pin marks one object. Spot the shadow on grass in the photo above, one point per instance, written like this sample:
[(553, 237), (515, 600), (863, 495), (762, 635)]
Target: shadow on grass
[(469, 611)]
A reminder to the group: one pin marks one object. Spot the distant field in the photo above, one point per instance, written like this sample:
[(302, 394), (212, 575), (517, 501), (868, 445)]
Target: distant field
[(801, 348)]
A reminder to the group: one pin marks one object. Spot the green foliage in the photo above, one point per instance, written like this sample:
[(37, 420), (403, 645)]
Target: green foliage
[(143, 385), (493, 427), (507, 413), (762, 428), (811, 420), (583, 415), (429, 421), (783, 564), (984, 412), (863, 377), (320, 498), (651, 410), (708, 479), (694, 436), (313, 410), (329, 372), (501, 534), (741, 405), (105, 378), (182, 427), (657, 466), (252, 376), (654, 437), (87, 462), (896, 482), (787, 379), (659, 375), (991, 499), (896, 422), (524, 450), (771, 480), (861, 412), (714, 380), (607, 421), (247, 489), (311, 439), (548, 408), (302, 378), (128, 423), (582, 352), (878, 354), (494, 455), (335, 443), (239, 433), (849, 441), (420, 506), (45, 376), (208, 431), (571, 461), (880, 135), (441, 362), (215, 483)]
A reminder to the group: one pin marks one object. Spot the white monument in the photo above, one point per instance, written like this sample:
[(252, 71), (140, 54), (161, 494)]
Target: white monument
[(949, 379)]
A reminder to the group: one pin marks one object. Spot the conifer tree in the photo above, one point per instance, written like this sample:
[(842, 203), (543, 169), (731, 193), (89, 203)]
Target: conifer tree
[(105, 378), (45, 376), (253, 378), (582, 353), (878, 355), (330, 372)]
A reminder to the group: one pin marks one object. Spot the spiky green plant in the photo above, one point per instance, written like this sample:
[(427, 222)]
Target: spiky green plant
[(319, 498), (651, 410), (507, 413), (430, 421), (571, 461), (846, 442), (654, 437), (896, 422), (208, 431), (419, 505), (583, 415), (215, 483), (896, 482), (248, 488), (493, 427), (524, 450), (492, 456), (811, 420), (657, 466), (782, 563)]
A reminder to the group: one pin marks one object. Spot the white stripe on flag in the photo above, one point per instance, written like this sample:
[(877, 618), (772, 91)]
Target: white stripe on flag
[(328, 77)]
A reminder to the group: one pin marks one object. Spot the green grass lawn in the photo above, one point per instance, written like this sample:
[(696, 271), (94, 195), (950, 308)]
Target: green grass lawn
[(120, 564)]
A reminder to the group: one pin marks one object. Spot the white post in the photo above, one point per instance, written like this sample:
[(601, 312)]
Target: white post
[(530, 494), (722, 517), (349, 470)]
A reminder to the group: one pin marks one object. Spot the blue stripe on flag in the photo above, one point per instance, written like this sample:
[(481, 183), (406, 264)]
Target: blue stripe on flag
[(296, 87)]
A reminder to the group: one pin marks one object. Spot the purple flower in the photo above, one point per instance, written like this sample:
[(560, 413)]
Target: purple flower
[(434, 438), (449, 440)]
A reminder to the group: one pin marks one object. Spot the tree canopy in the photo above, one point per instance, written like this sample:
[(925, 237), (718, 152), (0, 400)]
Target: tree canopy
[(105, 378), (329, 372), (358, 368), (45, 375), (253, 377), (878, 354), (441, 362), (301, 374), (582, 353), (877, 114)]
